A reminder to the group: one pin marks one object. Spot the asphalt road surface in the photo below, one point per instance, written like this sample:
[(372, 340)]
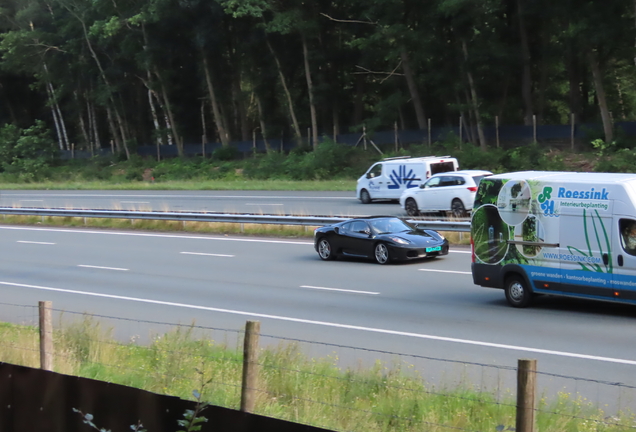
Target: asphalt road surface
[(302, 203), (425, 313)]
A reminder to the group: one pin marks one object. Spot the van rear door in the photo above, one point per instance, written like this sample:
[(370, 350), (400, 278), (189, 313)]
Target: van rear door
[(440, 167)]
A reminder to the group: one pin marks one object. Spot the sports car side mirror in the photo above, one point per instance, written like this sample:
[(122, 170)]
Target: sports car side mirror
[(336, 230)]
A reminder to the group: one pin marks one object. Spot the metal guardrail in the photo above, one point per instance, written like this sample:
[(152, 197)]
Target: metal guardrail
[(215, 217)]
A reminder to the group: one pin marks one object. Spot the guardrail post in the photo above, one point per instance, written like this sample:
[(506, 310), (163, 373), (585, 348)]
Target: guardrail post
[(250, 366), (526, 391), (46, 335)]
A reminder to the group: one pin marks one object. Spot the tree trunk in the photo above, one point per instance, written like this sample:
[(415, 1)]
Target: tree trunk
[(473, 93), (240, 109), (216, 112), (290, 103), (56, 121), (572, 68), (124, 138), (168, 110), (310, 90), (82, 124), (600, 96), (113, 129), (60, 118), (261, 120), (358, 107), (415, 94), (526, 77), (93, 120)]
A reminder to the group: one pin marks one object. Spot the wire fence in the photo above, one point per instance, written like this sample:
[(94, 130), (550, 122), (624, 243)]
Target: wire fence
[(328, 385)]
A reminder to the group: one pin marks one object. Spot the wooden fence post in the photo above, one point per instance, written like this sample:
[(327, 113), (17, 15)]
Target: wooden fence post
[(460, 131), (46, 335), (250, 366), (526, 391), (534, 128), (429, 132)]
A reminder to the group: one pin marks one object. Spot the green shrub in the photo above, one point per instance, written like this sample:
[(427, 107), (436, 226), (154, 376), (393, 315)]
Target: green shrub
[(226, 154)]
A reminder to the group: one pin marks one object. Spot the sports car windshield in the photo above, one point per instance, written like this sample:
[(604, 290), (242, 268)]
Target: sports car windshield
[(390, 226)]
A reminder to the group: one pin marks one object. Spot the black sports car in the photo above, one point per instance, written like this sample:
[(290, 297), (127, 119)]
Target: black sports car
[(383, 238)]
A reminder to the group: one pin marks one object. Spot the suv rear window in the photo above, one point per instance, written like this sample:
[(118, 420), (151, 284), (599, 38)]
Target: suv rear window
[(478, 178)]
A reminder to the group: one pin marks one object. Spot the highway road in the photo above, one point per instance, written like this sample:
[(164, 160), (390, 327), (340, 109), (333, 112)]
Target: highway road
[(428, 313), (303, 203)]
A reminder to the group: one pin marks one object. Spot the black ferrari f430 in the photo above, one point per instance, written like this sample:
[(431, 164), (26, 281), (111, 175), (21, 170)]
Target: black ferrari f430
[(382, 238)]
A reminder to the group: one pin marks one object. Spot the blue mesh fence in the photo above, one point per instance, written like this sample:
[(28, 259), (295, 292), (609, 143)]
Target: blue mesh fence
[(510, 135)]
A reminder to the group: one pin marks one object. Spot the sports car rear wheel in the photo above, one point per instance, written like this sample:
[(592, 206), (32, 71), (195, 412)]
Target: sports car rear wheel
[(325, 251), (381, 253)]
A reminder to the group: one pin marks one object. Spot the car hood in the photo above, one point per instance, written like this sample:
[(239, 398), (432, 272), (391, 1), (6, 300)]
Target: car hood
[(418, 239)]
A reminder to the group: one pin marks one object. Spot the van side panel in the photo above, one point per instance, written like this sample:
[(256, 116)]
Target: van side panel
[(558, 230)]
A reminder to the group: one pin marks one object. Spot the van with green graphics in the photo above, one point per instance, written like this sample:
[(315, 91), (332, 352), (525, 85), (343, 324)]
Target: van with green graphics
[(557, 233)]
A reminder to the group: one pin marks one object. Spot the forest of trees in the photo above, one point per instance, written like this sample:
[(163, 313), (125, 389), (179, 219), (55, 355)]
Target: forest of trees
[(125, 73)]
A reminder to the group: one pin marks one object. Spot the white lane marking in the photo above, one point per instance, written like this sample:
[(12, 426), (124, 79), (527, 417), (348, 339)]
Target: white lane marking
[(102, 268), (460, 251), (189, 237), (207, 254), (263, 204), (445, 271), (24, 200), (156, 235), (341, 290), (184, 196), (35, 242), (334, 325), (135, 202)]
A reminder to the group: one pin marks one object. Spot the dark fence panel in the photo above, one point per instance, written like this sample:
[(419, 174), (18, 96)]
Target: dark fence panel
[(510, 135), (42, 401)]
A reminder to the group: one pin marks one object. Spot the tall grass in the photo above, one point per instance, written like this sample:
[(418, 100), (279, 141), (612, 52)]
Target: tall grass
[(385, 397)]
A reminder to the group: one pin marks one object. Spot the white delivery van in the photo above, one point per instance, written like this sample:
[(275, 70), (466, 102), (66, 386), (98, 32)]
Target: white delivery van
[(558, 233), (388, 178)]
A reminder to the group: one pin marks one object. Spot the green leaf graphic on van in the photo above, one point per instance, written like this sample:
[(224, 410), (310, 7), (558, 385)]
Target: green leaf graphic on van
[(604, 245)]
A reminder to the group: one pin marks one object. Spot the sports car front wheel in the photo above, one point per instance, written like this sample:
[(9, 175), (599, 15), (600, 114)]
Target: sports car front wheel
[(324, 250), (381, 253)]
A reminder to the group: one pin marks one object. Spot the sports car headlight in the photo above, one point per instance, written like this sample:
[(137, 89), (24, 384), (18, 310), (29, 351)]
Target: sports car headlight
[(400, 240)]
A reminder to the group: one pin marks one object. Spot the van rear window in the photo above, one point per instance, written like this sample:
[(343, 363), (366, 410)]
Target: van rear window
[(441, 167)]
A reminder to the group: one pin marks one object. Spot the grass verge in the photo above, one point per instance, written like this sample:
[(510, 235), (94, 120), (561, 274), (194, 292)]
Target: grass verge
[(384, 397)]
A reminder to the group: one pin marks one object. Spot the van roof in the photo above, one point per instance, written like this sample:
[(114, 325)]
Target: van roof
[(567, 177), (417, 159)]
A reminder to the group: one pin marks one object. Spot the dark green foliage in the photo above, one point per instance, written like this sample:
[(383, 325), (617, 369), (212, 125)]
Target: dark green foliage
[(226, 154), (26, 153)]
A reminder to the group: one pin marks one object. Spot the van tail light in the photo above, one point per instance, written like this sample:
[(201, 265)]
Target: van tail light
[(473, 188), (428, 174)]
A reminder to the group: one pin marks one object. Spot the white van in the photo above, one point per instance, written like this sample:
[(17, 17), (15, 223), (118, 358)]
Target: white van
[(390, 177), (558, 233)]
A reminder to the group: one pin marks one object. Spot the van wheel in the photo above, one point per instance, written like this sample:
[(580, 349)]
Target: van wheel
[(365, 197), (457, 208), (381, 253), (411, 207), (518, 293)]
